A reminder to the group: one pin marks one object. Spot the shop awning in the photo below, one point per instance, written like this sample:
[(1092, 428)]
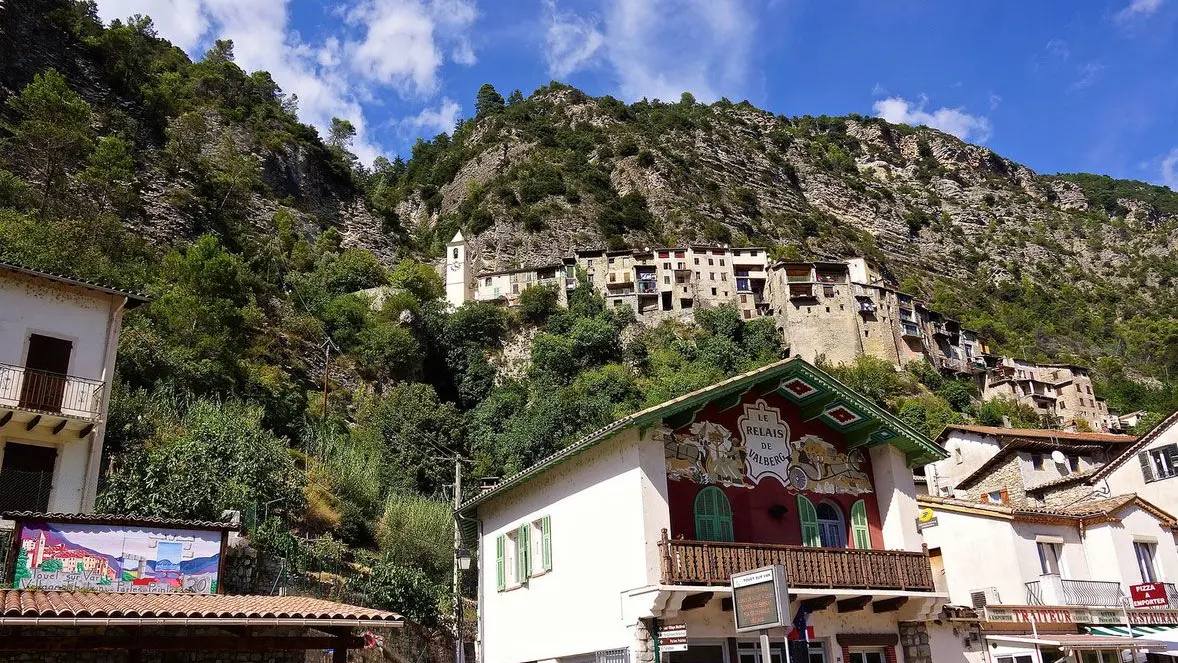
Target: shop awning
[(1165, 634), (1086, 641)]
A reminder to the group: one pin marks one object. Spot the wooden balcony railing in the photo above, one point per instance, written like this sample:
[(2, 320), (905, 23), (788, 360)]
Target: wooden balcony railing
[(713, 563), (44, 391)]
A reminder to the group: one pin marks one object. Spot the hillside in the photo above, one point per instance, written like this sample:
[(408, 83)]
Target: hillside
[(124, 161)]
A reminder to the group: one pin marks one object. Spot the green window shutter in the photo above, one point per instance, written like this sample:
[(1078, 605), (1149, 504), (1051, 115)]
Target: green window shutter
[(809, 518), (500, 571), (1146, 466), (713, 515), (525, 553), (860, 536), (547, 543)]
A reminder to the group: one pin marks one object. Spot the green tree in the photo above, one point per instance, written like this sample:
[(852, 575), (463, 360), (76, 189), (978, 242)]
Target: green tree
[(110, 176), (341, 134), (537, 303), (419, 279), (51, 135), (487, 101), (403, 589)]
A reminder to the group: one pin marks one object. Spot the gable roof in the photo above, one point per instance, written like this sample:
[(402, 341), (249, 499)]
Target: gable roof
[(133, 298), (814, 391), (1017, 444), (1135, 448), (1036, 433)]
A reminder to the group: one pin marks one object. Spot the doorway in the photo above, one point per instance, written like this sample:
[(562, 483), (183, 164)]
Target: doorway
[(26, 477), (46, 366)]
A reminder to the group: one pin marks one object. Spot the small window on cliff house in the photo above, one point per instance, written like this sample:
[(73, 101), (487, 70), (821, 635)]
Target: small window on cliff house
[(713, 515)]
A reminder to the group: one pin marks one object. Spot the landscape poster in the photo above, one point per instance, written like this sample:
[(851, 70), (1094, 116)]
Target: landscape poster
[(117, 558)]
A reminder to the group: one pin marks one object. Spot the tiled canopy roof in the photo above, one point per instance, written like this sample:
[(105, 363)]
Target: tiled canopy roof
[(28, 607), (128, 521)]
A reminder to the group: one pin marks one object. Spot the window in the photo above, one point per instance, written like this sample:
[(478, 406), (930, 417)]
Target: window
[(28, 468), (1074, 463), (1145, 560), (711, 276), (697, 261), (1016, 659), (611, 261), (723, 276), (456, 253), (47, 358), (666, 265), (713, 515), (540, 537), (1160, 463), (744, 299), (994, 497), (1048, 557), (831, 529), (860, 535), (867, 657), (721, 262), (711, 262), (958, 456), (1037, 461), (666, 280), (713, 292)]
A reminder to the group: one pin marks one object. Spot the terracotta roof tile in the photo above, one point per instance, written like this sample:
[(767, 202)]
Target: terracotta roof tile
[(1039, 433), (21, 605)]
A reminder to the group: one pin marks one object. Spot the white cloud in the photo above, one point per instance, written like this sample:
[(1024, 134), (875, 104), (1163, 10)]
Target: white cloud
[(183, 22), (436, 120), (464, 54), (329, 54), (1087, 74), (950, 120), (401, 43), (995, 100), (1139, 9), (1170, 169), (1058, 49), (658, 48), (571, 41)]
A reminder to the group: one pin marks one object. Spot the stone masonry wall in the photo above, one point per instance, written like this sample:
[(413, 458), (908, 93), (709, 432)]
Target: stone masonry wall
[(643, 642), (1006, 476), (914, 640)]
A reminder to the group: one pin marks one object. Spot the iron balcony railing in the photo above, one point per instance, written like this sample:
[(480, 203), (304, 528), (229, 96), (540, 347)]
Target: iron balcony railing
[(714, 562), (1172, 594), (1080, 592), (53, 393)]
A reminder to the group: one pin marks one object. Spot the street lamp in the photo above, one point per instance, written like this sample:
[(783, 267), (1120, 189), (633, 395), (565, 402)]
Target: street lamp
[(463, 557)]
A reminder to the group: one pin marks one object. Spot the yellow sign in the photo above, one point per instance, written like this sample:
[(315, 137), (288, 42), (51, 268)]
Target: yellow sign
[(926, 515)]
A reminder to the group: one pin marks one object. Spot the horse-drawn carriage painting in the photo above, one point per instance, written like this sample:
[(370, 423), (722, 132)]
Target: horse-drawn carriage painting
[(709, 453)]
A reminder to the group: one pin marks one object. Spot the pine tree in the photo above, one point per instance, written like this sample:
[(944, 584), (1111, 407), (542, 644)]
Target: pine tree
[(487, 101)]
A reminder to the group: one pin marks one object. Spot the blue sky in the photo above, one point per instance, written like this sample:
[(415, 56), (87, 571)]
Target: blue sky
[(1088, 85)]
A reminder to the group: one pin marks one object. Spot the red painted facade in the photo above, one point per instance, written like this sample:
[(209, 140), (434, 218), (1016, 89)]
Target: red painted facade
[(757, 516)]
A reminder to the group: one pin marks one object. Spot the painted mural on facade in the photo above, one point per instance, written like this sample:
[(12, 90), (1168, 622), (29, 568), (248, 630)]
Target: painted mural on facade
[(117, 559), (762, 448)]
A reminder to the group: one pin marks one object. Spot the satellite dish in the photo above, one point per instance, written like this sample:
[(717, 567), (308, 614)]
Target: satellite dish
[(1058, 457)]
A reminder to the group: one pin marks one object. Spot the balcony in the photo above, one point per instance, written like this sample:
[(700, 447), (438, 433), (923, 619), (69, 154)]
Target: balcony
[(49, 393), (648, 288), (1076, 592), (866, 306), (713, 563), (910, 330), (802, 291)]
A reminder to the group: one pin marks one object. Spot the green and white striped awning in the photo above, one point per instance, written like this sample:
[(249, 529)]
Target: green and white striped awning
[(1153, 632)]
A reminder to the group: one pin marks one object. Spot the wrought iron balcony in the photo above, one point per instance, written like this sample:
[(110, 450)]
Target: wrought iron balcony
[(1078, 592), (51, 393), (714, 562)]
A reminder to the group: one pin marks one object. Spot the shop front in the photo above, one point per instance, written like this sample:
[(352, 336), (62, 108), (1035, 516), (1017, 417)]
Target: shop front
[(1048, 634)]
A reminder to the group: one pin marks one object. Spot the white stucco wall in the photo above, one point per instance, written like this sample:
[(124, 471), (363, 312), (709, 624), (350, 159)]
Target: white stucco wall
[(896, 492), (1128, 478), (604, 511), (31, 306), (967, 452), (978, 552), (91, 321), (948, 643), (1110, 548)]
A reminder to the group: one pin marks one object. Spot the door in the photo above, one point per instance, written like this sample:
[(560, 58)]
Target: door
[(26, 477), (831, 529), (46, 366), (713, 515)]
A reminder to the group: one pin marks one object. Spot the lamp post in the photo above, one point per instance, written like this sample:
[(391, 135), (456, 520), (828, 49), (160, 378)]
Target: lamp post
[(461, 563)]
